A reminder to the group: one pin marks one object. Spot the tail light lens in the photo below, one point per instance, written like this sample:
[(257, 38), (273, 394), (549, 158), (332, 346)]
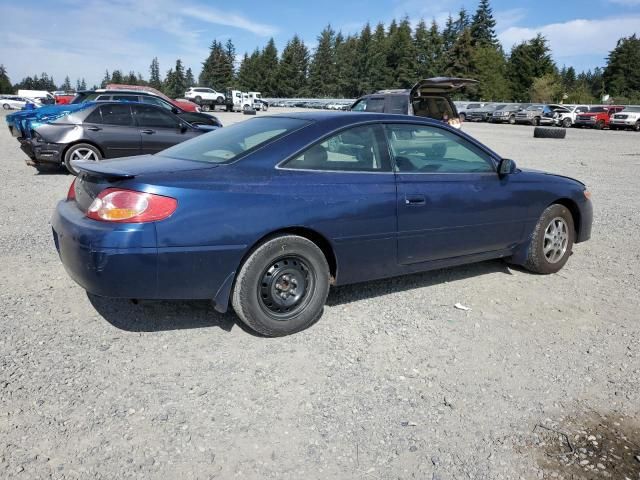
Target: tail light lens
[(130, 206), (71, 194)]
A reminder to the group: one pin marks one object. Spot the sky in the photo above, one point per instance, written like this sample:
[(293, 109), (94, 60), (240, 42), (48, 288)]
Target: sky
[(81, 38)]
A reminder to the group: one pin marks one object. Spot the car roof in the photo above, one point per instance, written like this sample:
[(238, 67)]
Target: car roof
[(346, 118)]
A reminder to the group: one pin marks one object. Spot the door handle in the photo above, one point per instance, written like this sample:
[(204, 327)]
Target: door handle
[(415, 200), (147, 131), (94, 129)]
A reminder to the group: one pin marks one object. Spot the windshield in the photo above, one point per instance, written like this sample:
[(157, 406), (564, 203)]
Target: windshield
[(631, 109), (230, 143), (84, 97), (535, 107), (498, 107), (597, 109)]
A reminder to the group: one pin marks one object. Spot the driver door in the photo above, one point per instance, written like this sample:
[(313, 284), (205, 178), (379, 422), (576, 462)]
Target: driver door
[(450, 200)]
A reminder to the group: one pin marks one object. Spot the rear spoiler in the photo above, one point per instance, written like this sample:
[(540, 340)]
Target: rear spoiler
[(100, 169)]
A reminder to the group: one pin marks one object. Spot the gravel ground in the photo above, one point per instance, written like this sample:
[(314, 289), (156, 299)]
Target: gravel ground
[(540, 379)]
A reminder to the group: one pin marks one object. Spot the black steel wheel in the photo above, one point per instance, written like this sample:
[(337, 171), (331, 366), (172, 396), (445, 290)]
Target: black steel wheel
[(282, 286)]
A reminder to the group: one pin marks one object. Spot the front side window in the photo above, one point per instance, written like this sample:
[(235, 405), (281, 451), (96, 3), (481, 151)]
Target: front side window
[(357, 149), (426, 149), (153, 117), (115, 115), (230, 143)]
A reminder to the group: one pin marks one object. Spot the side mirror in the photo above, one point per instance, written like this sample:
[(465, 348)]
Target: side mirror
[(506, 167), (183, 127), (175, 110)]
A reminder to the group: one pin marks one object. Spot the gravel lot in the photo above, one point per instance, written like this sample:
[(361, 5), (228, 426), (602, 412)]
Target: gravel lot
[(392, 383)]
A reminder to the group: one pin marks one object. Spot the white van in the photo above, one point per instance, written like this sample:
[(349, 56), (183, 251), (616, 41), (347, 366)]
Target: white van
[(42, 95)]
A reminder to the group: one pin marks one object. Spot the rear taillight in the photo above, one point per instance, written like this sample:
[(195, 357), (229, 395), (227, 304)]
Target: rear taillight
[(71, 194), (129, 206)]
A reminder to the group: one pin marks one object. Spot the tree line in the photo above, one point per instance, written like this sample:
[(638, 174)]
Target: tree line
[(396, 56)]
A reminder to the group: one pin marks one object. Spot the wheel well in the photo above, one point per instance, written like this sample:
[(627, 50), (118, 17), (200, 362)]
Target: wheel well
[(575, 212), (320, 240), (64, 152)]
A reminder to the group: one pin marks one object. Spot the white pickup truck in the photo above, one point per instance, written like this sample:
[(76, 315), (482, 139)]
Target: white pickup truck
[(207, 98), (565, 115)]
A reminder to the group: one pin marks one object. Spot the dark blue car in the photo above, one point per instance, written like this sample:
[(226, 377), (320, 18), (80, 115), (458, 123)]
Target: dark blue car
[(268, 213)]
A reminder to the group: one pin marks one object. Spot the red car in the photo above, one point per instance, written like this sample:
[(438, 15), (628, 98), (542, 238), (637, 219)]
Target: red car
[(597, 117), (64, 99), (182, 104)]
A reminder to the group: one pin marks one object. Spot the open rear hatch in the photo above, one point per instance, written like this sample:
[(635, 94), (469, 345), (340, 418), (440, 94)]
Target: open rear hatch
[(440, 85)]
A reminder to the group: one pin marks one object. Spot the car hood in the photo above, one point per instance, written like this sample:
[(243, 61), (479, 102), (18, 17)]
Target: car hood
[(130, 167), (440, 85), (26, 120), (542, 172)]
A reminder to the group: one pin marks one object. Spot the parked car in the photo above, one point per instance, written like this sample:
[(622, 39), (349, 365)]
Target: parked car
[(566, 114), (14, 102), (463, 107), (597, 117), (536, 115), (507, 114), (106, 95), (205, 97), (268, 213), (483, 114), (428, 98), (627, 118), (42, 96), (97, 130), (182, 104)]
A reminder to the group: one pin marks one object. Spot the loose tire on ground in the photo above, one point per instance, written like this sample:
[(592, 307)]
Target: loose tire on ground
[(549, 132), (282, 270), (6, 106), (80, 150), (551, 241)]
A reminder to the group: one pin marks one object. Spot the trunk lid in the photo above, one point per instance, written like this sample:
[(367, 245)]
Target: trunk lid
[(440, 85)]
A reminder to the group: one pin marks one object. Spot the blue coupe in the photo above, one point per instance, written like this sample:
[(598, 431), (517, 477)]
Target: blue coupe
[(268, 213)]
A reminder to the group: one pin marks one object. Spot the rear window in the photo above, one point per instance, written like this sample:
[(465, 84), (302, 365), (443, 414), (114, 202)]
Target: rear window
[(230, 143)]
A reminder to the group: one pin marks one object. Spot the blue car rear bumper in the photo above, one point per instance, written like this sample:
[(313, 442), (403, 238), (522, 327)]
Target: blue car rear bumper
[(123, 260)]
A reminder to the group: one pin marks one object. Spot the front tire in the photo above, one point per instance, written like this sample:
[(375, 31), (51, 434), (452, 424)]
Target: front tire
[(80, 151), (512, 120), (282, 286), (566, 123), (600, 125), (636, 127), (551, 241)]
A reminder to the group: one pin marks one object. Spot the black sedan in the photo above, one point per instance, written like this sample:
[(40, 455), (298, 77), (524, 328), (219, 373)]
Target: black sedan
[(105, 130)]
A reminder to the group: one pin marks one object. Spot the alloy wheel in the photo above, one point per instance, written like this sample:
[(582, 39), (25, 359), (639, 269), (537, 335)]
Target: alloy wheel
[(556, 240), (84, 154)]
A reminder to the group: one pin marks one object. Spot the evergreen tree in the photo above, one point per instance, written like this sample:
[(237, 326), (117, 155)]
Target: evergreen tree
[(217, 69), (401, 56), (66, 86), (268, 69), (116, 77), (175, 83), (347, 67), (230, 51), (459, 58), (381, 76), (621, 76), (449, 34), (429, 50), (292, 69), (528, 60), (106, 80), (363, 59), (483, 25), (569, 79), (546, 89), (248, 78), (131, 78), (189, 80), (154, 74), (322, 70), (83, 84), (462, 22), (5, 82), (490, 69)]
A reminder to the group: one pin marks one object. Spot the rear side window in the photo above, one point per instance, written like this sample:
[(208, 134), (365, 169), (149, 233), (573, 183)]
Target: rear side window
[(375, 104), (230, 143), (155, 101), (111, 115), (154, 117), (126, 98), (358, 149), (398, 104)]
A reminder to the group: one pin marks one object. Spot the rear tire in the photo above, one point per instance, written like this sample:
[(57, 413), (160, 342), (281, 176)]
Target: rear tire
[(80, 151), (551, 241), (198, 99), (545, 132), (282, 286)]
